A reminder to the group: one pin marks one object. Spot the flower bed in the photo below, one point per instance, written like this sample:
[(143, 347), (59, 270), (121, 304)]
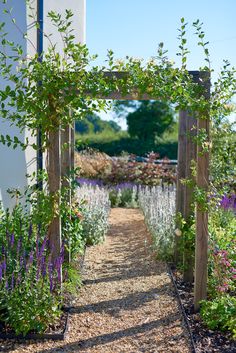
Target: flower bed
[(205, 340)]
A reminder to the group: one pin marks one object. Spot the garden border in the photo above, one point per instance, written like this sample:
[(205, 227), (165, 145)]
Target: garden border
[(193, 346), (40, 336)]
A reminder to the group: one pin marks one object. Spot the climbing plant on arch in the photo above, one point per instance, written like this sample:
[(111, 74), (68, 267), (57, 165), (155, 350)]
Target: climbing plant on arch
[(70, 87)]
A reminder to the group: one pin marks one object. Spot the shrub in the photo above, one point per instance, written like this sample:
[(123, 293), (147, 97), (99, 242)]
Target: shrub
[(127, 169), (117, 146), (124, 195), (222, 255), (220, 313)]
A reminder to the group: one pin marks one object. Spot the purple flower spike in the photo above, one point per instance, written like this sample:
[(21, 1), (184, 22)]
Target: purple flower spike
[(12, 280), (6, 285), (43, 247), (228, 202), (12, 240), (1, 273), (31, 257), (37, 274), (43, 267), (21, 262), (18, 247), (4, 266), (50, 276)]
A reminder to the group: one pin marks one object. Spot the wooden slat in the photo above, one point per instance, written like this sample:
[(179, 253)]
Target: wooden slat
[(72, 150), (181, 173), (65, 172), (201, 250), (188, 212), (54, 177)]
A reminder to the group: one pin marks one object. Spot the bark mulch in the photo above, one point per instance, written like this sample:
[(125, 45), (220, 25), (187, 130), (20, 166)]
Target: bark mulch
[(205, 340), (127, 303)]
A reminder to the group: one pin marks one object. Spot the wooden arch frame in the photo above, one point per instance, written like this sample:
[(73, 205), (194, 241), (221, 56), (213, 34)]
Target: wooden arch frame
[(61, 161)]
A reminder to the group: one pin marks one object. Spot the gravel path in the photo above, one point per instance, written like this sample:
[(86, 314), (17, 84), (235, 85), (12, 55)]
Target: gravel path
[(127, 303)]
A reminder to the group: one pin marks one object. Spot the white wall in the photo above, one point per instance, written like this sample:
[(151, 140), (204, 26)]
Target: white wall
[(15, 164)]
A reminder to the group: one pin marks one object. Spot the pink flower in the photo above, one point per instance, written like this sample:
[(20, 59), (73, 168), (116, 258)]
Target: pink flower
[(221, 289)]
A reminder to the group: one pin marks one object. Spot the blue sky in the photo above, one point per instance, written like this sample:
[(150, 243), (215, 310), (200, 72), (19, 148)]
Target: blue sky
[(135, 27)]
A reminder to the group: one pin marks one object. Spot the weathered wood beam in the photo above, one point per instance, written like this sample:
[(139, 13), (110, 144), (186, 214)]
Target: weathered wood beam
[(201, 248), (188, 211), (181, 174), (65, 173), (54, 181)]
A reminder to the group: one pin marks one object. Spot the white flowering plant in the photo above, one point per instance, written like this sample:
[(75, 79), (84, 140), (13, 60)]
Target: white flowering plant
[(158, 206), (95, 212)]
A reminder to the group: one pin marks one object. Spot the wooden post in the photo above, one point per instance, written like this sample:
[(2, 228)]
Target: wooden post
[(65, 173), (54, 181), (188, 212), (181, 174), (73, 146), (201, 249)]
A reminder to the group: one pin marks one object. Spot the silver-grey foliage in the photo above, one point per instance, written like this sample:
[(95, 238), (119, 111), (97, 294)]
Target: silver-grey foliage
[(158, 206)]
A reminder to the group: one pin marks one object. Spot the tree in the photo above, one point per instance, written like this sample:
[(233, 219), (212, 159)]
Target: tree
[(149, 120), (92, 123)]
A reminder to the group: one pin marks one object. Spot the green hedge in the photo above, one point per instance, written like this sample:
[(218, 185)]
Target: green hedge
[(131, 146)]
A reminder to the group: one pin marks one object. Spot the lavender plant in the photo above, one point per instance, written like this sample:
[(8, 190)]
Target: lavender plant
[(158, 206), (95, 213), (30, 281)]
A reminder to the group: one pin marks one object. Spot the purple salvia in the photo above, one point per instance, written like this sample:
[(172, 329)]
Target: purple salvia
[(43, 267), (21, 262), (0, 272), (18, 280), (24, 258), (6, 285), (58, 268), (18, 248), (12, 280), (59, 275), (4, 266), (31, 257), (50, 276), (12, 240), (37, 246), (43, 247), (37, 273)]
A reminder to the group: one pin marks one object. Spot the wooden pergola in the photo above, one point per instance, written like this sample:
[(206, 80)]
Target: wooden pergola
[(61, 162)]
